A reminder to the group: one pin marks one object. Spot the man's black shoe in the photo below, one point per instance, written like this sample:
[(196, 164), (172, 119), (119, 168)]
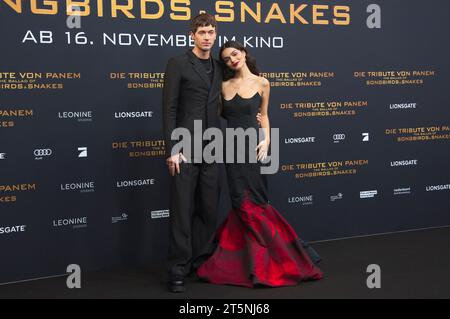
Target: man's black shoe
[(176, 285)]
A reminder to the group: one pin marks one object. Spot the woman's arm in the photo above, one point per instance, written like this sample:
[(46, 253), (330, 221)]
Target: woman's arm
[(263, 147)]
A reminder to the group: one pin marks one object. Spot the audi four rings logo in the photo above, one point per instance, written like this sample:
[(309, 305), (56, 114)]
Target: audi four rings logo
[(42, 152), (339, 137)]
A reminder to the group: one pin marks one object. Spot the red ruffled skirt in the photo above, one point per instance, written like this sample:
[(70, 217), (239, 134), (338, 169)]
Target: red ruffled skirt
[(256, 246)]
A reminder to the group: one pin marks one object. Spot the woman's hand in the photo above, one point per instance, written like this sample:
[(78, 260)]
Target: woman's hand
[(174, 163), (259, 118), (263, 150)]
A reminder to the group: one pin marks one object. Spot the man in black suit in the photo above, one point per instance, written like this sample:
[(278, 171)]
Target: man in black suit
[(192, 91)]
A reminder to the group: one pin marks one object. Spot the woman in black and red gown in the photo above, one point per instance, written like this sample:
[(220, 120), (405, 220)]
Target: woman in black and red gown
[(256, 246)]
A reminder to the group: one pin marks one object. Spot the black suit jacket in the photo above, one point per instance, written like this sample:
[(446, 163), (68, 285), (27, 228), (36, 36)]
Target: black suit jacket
[(189, 95)]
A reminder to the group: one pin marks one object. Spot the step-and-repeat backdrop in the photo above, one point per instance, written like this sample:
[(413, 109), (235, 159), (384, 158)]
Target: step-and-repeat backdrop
[(360, 92)]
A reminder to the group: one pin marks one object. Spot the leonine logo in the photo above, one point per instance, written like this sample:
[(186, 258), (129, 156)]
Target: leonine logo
[(304, 200), (12, 229), (79, 222), (81, 116), (83, 187)]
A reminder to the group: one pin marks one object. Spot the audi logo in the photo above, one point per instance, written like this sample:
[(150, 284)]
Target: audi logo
[(43, 152), (339, 137)]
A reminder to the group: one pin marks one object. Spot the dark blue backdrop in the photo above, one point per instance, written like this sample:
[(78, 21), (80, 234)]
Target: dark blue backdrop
[(58, 208)]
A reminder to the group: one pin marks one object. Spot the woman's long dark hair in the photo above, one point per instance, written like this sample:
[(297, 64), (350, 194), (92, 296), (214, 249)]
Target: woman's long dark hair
[(251, 61)]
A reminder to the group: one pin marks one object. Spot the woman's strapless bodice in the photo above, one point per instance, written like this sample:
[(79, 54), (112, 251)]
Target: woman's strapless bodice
[(241, 112)]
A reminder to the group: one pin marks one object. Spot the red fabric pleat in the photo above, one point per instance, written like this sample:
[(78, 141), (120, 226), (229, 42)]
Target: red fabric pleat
[(256, 246)]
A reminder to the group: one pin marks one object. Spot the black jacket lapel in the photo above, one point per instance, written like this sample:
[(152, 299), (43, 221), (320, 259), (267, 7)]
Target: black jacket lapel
[(199, 68), (216, 79)]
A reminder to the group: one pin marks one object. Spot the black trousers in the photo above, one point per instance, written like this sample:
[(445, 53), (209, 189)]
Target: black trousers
[(194, 197)]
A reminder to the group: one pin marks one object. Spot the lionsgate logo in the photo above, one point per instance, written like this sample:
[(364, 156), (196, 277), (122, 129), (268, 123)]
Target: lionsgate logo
[(80, 116), (368, 194), (40, 154), (74, 223), (158, 214), (334, 198), (300, 140), (6, 230), (403, 106), (338, 138), (402, 191), (402, 163), (133, 115), (2, 156), (303, 200), (82, 187), (119, 219), (437, 188), (135, 183)]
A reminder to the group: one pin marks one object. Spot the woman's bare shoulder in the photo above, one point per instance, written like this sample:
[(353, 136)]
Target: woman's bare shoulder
[(263, 82)]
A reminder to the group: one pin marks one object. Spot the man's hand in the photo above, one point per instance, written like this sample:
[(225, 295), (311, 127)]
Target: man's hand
[(174, 163)]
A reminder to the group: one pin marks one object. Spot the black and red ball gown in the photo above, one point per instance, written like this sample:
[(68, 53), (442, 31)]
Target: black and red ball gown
[(255, 244)]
